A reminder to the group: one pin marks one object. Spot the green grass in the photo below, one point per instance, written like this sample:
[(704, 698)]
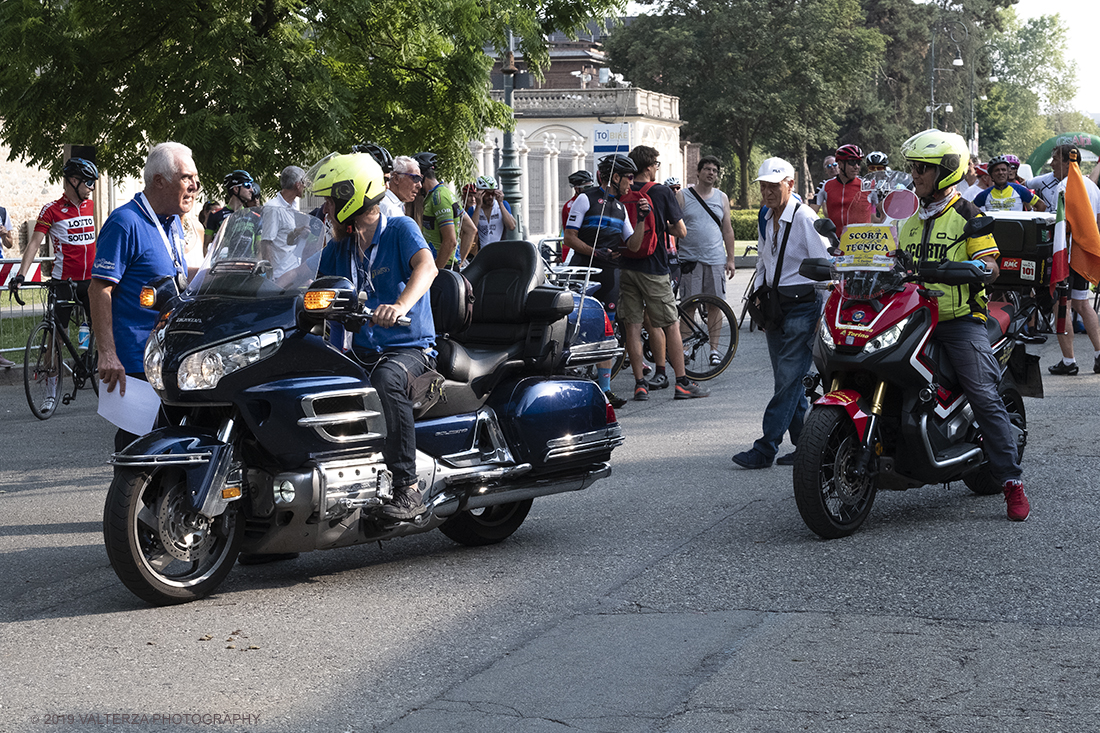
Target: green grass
[(17, 323)]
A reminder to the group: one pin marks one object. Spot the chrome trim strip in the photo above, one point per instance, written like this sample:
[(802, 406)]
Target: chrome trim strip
[(166, 459)]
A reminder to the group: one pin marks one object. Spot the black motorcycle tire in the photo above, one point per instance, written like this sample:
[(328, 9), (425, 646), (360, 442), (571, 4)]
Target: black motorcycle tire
[(981, 482), (831, 504), (486, 526), (143, 510)]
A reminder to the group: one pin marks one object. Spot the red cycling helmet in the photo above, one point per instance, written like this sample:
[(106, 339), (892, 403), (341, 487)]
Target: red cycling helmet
[(849, 152)]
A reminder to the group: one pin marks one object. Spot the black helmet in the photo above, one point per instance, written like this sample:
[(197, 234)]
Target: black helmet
[(80, 168), (616, 163), (580, 178), (428, 162), (381, 156), (239, 178)]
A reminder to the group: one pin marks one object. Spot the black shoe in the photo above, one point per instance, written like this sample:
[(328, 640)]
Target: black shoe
[(248, 558), (407, 503), (615, 400), (658, 381), (1096, 365), (1064, 368), (641, 391), (787, 460)]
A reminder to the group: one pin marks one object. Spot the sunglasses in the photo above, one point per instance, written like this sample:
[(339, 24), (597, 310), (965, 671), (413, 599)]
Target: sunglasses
[(413, 177), (832, 165), (90, 183), (919, 169)]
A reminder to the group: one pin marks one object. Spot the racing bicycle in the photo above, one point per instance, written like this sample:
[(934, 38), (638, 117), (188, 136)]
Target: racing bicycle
[(45, 365)]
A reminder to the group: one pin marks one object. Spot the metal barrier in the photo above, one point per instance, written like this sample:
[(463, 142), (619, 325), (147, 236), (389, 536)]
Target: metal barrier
[(17, 321)]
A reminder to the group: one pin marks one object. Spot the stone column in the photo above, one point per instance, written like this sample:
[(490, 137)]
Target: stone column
[(549, 178), (524, 184)]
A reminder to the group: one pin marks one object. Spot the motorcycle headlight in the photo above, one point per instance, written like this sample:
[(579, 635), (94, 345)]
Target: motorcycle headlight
[(826, 335), (154, 361), (887, 338), (204, 369)]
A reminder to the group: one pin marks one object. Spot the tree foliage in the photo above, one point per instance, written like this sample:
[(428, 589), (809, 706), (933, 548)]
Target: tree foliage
[(260, 84), (749, 71)]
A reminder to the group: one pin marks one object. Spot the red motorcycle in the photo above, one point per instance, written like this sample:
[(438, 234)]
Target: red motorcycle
[(894, 416)]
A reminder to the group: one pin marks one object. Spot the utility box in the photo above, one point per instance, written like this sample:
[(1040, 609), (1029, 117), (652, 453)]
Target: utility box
[(1026, 242)]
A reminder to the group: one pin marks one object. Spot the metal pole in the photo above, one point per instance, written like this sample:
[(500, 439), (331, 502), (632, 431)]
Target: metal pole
[(510, 171), (932, 80)]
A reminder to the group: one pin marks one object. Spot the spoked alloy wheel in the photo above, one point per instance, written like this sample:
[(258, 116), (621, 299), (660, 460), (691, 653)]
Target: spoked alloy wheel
[(163, 552), (709, 333), (488, 525), (832, 502), (43, 375)]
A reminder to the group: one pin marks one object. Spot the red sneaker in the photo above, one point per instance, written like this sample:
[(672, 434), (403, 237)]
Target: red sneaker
[(1018, 506)]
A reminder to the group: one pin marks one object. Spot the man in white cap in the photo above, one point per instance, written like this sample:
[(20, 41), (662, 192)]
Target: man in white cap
[(788, 238)]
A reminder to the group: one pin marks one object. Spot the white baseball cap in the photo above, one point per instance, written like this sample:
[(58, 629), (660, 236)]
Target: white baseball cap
[(774, 170)]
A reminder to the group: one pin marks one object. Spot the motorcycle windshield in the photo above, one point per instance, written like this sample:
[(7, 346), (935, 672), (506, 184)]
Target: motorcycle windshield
[(261, 253), (869, 284)]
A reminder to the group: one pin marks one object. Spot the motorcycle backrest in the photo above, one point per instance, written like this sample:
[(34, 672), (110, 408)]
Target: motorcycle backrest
[(502, 275), (452, 299)]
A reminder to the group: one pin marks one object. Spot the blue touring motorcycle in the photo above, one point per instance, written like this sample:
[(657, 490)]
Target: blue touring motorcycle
[(269, 438)]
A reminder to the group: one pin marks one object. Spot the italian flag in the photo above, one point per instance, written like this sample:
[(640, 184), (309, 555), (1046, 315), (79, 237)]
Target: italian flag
[(1081, 220), (1059, 269)]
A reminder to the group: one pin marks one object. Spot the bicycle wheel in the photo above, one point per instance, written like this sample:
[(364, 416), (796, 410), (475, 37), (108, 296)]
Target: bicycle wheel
[(709, 336), (42, 375), (745, 304)]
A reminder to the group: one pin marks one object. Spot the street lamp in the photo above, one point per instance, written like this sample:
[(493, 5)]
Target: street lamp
[(952, 29), (510, 172)]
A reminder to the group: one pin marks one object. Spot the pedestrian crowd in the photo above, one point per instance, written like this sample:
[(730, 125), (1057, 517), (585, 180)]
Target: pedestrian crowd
[(396, 224)]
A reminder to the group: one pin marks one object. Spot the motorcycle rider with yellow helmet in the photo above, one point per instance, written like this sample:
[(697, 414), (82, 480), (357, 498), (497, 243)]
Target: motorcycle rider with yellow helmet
[(389, 261), (937, 161)]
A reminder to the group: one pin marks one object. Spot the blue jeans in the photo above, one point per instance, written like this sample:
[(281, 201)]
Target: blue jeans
[(391, 381), (791, 352)]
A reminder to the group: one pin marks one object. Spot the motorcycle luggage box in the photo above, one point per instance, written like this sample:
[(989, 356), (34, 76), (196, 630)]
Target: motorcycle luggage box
[(1026, 242)]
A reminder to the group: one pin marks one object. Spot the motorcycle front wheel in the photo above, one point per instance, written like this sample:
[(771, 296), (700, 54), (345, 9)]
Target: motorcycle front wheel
[(832, 502), (163, 552), (488, 525)]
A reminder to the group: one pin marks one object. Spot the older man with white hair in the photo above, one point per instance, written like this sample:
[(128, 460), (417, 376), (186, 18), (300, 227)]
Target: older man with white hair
[(141, 241), (787, 239), (402, 186), (281, 217)]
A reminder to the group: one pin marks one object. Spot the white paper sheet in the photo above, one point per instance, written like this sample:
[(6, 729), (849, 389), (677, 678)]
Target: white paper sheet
[(136, 412)]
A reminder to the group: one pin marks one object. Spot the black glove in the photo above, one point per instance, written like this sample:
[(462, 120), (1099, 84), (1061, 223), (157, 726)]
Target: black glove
[(604, 253), (15, 283)]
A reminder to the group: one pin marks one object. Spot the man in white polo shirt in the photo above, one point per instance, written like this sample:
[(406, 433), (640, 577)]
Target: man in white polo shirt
[(280, 218)]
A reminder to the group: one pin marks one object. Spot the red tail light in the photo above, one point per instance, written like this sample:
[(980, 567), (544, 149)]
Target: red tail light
[(611, 418), (608, 329)]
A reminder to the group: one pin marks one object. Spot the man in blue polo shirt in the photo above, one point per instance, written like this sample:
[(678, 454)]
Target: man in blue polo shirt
[(389, 261), (140, 241)]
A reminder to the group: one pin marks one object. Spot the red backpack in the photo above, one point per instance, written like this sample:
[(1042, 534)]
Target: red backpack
[(649, 241)]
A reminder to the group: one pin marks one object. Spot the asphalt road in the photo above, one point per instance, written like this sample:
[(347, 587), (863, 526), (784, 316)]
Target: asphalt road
[(681, 594)]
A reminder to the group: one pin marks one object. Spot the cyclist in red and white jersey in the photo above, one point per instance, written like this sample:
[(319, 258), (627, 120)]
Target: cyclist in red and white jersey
[(70, 225), (843, 197)]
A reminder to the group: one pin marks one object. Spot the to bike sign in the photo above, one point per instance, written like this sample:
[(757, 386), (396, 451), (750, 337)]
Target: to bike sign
[(611, 138), (866, 247)]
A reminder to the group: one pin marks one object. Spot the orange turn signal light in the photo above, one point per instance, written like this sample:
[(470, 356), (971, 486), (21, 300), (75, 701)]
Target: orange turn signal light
[(319, 300), (148, 298)]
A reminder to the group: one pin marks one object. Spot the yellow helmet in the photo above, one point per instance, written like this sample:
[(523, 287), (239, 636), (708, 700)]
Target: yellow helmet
[(354, 182), (944, 149)]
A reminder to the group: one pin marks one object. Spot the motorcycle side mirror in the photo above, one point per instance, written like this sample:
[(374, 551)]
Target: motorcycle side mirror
[(330, 298), (816, 268), (979, 226), (826, 228), (156, 294)]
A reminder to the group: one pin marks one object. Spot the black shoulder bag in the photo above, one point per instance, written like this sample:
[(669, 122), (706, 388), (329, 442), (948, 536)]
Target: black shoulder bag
[(687, 266), (769, 304)]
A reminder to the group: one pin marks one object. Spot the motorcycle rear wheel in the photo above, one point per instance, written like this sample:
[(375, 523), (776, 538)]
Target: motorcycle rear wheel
[(164, 553), (832, 503), (981, 482), (488, 525)]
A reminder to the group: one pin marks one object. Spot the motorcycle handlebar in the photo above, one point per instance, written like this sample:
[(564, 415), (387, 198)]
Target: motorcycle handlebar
[(954, 273)]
